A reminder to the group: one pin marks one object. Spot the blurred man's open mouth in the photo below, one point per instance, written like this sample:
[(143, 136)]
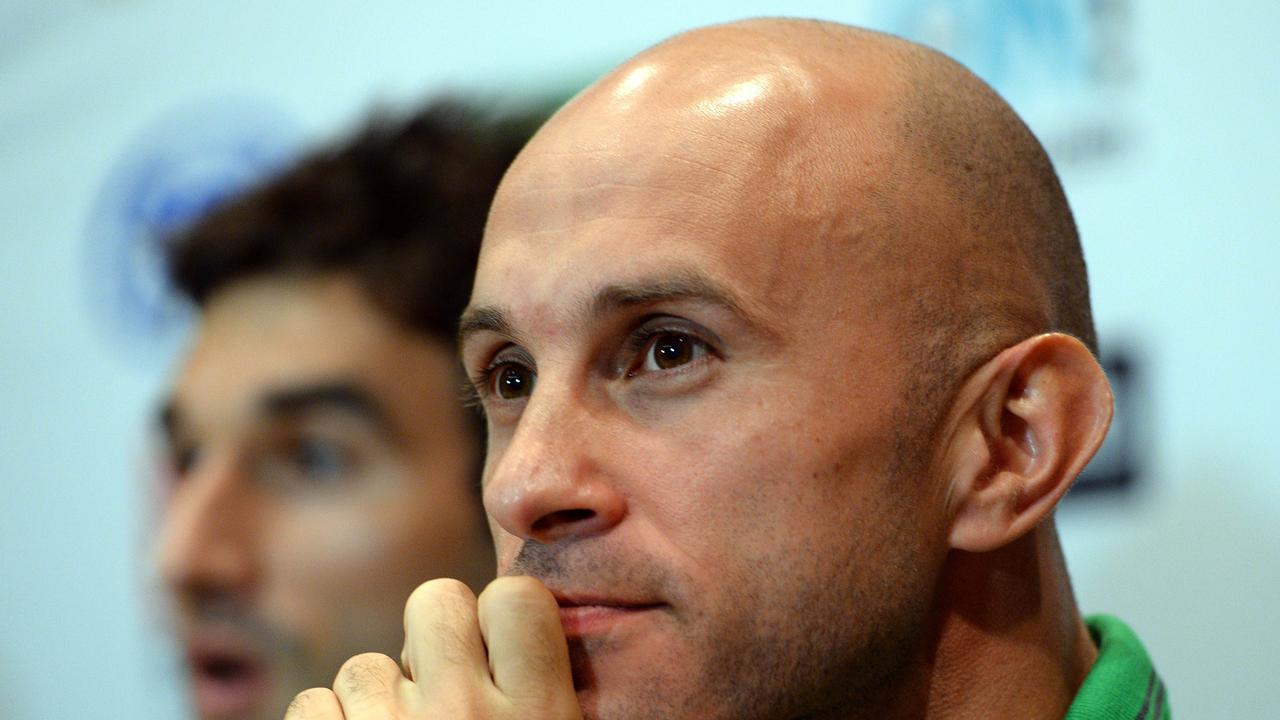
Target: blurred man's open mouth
[(228, 677)]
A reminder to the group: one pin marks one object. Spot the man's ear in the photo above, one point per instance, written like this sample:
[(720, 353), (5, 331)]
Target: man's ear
[(1023, 427)]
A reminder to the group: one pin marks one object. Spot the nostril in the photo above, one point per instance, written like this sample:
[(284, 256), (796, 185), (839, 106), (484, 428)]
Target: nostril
[(561, 518)]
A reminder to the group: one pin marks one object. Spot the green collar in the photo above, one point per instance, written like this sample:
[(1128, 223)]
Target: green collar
[(1123, 684)]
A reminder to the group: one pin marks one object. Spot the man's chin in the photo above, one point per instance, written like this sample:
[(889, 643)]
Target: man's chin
[(632, 677), (610, 646), (629, 700)]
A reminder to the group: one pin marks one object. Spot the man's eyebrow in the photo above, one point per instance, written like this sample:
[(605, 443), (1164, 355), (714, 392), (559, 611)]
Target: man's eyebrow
[(484, 318), (684, 286), (341, 395), (680, 286)]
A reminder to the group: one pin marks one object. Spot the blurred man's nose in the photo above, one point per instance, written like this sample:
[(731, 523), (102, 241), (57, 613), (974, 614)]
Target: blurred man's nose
[(551, 481), (206, 538)]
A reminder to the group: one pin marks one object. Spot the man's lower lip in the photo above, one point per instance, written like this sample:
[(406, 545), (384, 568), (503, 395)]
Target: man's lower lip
[(228, 697), (579, 620)]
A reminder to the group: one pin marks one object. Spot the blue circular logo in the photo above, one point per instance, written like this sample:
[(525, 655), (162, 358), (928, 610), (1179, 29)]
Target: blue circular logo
[(178, 168)]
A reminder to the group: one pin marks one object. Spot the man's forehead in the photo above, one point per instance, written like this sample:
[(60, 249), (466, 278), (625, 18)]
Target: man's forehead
[(621, 209), (650, 216), (657, 159), (697, 102), (553, 290), (757, 141), (671, 176), (757, 170)]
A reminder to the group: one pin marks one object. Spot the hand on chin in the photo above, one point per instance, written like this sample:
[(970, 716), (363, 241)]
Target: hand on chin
[(502, 656)]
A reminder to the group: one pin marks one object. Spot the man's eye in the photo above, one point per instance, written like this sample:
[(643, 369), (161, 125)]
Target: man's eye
[(667, 350), (305, 463), (512, 381), (182, 460), (321, 459)]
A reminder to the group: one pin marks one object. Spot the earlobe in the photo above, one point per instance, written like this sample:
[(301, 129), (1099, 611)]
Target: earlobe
[(1024, 426)]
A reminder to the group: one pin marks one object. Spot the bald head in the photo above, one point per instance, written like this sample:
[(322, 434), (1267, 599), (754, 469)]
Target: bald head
[(848, 139)]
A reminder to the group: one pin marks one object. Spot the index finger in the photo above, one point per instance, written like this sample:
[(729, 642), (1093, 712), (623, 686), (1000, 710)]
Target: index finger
[(528, 653)]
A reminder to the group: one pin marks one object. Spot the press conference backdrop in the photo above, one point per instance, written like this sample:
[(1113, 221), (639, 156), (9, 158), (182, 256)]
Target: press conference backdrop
[(121, 118)]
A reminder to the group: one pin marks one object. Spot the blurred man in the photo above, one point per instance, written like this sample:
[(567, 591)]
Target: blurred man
[(323, 462), (783, 335)]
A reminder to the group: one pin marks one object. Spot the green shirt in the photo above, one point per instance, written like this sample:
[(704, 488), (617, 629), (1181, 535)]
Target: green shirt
[(1123, 684)]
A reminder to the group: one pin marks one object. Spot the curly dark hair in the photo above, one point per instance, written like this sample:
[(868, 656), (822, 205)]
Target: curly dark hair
[(401, 207)]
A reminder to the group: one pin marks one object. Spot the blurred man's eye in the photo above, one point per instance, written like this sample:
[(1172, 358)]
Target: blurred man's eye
[(306, 462), (321, 460), (183, 459)]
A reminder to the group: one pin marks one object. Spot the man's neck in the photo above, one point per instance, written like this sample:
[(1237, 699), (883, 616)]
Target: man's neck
[(1009, 640)]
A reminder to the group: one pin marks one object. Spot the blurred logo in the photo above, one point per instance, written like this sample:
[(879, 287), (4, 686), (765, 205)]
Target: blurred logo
[(1064, 65), (179, 167)]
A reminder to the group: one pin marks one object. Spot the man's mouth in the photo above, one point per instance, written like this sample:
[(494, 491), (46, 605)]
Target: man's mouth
[(228, 677), (583, 615)]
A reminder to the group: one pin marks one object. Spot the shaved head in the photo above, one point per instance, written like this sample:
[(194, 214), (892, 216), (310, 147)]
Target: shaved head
[(747, 272)]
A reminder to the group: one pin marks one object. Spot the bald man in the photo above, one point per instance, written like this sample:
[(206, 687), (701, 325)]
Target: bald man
[(783, 336)]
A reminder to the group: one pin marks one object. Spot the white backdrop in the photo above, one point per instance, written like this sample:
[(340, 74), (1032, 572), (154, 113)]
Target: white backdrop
[(1162, 115)]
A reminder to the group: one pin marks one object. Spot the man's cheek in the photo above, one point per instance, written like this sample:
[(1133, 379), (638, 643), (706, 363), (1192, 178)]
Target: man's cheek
[(323, 546)]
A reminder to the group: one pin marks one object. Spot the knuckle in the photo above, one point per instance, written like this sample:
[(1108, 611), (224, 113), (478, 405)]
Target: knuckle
[(440, 591), (307, 700), (365, 662), (439, 598), (366, 674)]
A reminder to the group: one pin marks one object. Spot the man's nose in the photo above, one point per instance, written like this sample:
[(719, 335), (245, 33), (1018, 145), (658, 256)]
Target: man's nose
[(206, 537), (551, 480)]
